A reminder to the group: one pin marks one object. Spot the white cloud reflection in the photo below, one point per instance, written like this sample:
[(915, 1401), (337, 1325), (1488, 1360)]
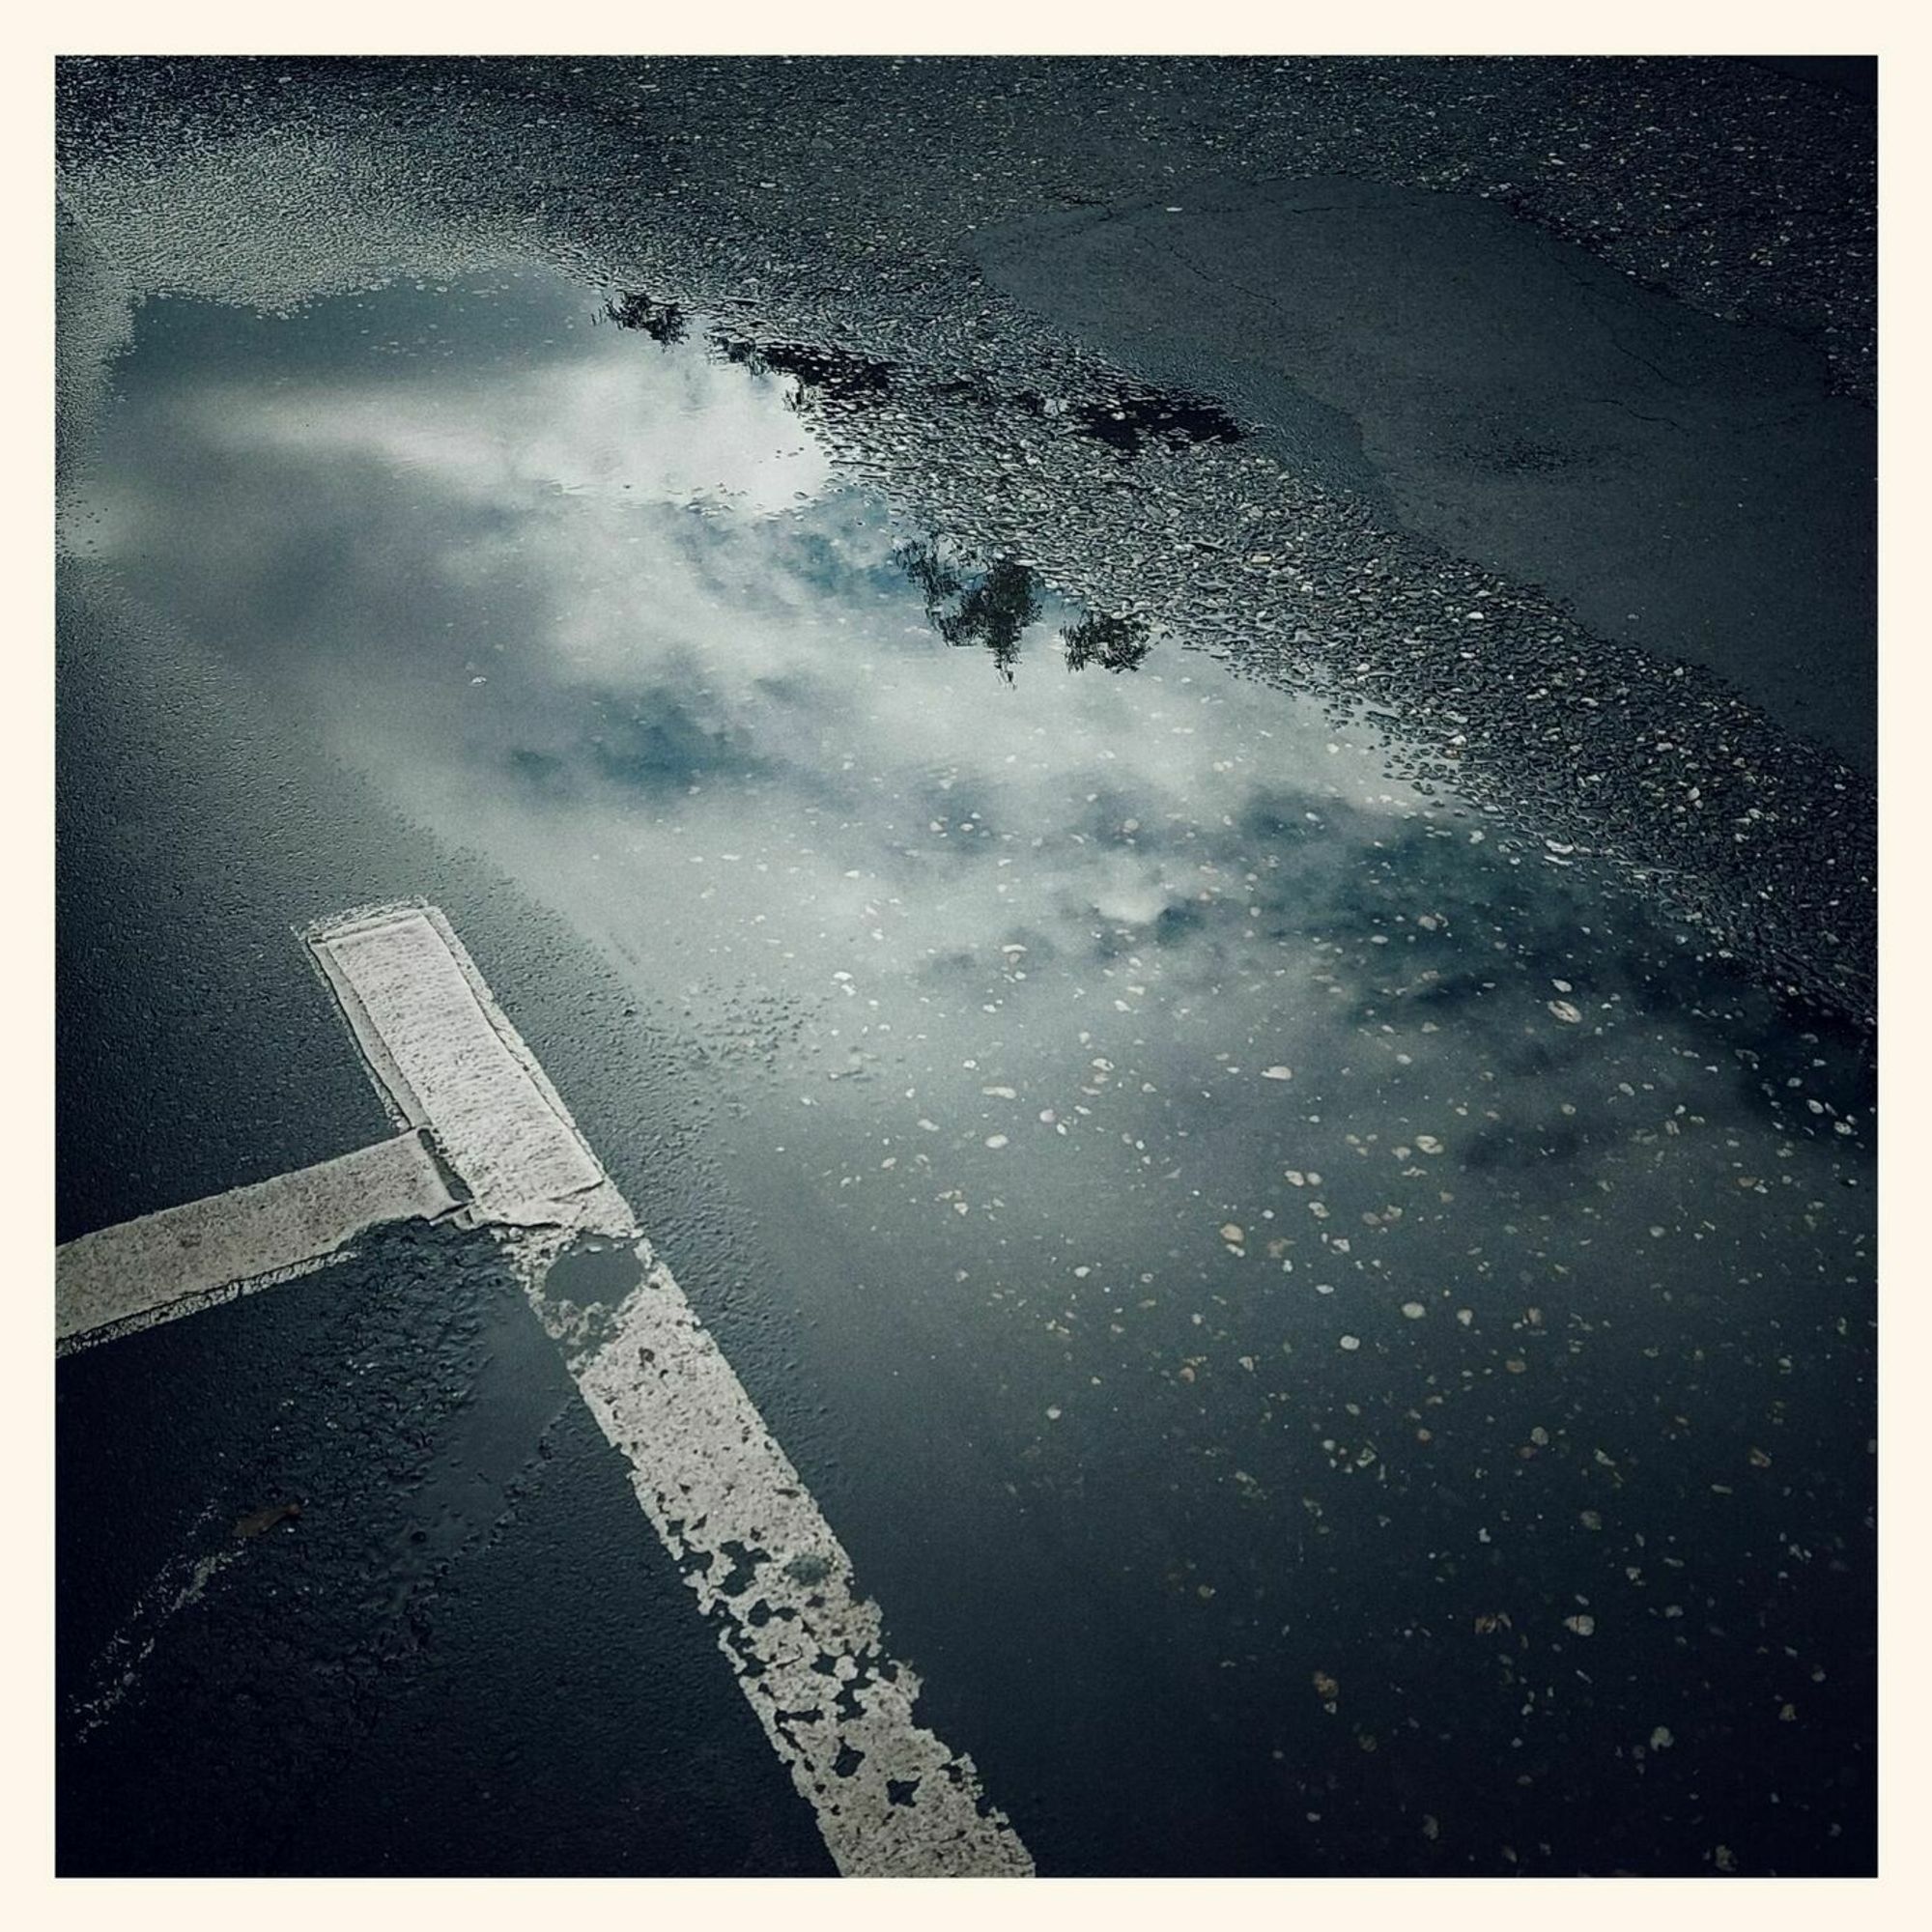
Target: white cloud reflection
[(620, 502), (601, 612), (601, 420)]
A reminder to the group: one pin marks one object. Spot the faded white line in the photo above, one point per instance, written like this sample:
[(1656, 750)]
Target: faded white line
[(175, 1262), (808, 1651)]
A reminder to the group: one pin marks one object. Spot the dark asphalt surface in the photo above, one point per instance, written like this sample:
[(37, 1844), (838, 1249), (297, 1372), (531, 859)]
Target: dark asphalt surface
[(463, 1656), (466, 1652), (1670, 479)]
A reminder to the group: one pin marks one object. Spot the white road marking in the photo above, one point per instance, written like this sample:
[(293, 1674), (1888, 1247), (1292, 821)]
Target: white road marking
[(184, 1259), (808, 1651), (440, 1049)]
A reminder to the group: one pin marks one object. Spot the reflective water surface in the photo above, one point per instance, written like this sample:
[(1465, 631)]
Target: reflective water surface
[(1427, 1308)]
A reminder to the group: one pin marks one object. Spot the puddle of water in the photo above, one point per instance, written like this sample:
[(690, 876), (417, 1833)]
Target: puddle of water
[(1297, 1182)]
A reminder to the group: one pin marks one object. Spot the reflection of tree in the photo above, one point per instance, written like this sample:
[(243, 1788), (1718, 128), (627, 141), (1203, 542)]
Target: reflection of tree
[(662, 321), (830, 372), (1129, 420), (735, 349), (817, 372), (993, 609), (1117, 642)]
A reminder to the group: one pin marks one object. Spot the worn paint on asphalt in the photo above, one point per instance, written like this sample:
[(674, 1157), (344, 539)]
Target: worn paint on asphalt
[(175, 1263), (809, 1651), (445, 1055)]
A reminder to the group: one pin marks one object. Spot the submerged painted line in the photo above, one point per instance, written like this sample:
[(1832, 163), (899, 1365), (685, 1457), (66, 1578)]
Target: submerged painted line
[(184, 1259), (807, 1648)]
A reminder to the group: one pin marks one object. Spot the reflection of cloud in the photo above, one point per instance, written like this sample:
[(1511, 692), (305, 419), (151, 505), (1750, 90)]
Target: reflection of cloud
[(602, 423), (551, 507), (1126, 891), (745, 710), (726, 741)]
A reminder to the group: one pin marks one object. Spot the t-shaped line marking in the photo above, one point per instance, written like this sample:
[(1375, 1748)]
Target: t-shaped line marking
[(486, 1141)]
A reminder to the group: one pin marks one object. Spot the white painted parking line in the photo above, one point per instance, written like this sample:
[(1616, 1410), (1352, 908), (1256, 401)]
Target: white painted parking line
[(186, 1259), (446, 1058), (808, 1651)]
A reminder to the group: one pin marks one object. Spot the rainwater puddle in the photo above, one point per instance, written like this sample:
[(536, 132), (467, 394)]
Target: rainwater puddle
[(1339, 1224)]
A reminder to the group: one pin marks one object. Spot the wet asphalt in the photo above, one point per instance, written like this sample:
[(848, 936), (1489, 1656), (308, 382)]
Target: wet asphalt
[(1669, 477), (463, 1654), (382, 1597)]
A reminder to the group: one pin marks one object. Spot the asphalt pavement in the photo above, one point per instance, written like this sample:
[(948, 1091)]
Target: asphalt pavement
[(1680, 482), (1327, 1301)]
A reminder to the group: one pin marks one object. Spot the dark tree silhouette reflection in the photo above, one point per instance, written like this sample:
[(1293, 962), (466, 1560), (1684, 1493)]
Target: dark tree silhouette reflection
[(828, 373), (739, 351), (992, 609), (663, 322), (1117, 643)]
